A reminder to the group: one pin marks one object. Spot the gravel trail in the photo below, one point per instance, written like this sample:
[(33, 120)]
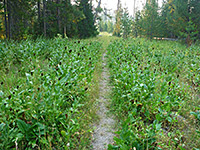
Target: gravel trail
[(104, 130)]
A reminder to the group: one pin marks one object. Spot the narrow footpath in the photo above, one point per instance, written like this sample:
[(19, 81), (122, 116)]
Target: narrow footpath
[(104, 130)]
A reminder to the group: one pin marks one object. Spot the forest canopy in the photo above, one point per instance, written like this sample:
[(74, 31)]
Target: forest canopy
[(175, 19), (80, 19), (23, 18)]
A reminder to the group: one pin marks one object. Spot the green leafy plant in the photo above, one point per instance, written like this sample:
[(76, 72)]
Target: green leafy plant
[(43, 90), (152, 84)]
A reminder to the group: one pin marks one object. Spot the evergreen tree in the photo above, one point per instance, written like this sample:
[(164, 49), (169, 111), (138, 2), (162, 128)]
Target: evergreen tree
[(137, 25), (150, 18), (86, 26), (110, 26), (101, 26), (105, 27), (117, 28), (181, 19), (126, 23), (21, 18)]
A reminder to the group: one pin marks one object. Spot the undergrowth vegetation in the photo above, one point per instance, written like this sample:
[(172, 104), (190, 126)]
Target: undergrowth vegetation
[(156, 94), (44, 89), (48, 87)]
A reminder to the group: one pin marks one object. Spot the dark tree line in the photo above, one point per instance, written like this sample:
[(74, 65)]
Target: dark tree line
[(23, 18)]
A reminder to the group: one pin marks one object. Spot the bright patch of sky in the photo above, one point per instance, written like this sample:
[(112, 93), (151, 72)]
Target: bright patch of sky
[(112, 4)]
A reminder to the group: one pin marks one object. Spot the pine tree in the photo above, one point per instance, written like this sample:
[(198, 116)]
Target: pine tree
[(150, 18), (117, 28), (86, 27), (126, 23)]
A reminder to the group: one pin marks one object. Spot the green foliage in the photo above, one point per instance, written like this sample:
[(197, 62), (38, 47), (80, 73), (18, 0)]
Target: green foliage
[(118, 23), (179, 15), (110, 26), (126, 23), (190, 32), (153, 83), (106, 26), (136, 24), (21, 13), (86, 26), (147, 21), (48, 18), (176, 18), (43, 89), (197, 115)]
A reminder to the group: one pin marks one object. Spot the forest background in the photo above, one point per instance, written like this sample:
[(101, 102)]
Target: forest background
[(20, 19)]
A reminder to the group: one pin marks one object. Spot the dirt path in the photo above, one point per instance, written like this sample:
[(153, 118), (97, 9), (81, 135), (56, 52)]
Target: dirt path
[(104, 130)]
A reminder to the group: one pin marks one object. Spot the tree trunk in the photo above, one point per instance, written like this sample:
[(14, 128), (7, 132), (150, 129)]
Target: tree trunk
[(134, 10), (65, 31), (118, 4), (135, 19), (58, 16), (5, 13), (38, 10), (152, 19), (98, 7), (91, 4), (9, 20), (44, 18), (151, 32), (39, 15)]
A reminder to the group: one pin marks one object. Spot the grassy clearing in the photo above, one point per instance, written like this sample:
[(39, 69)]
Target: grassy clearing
[(105, 34), (45, 92), (155, 94)]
